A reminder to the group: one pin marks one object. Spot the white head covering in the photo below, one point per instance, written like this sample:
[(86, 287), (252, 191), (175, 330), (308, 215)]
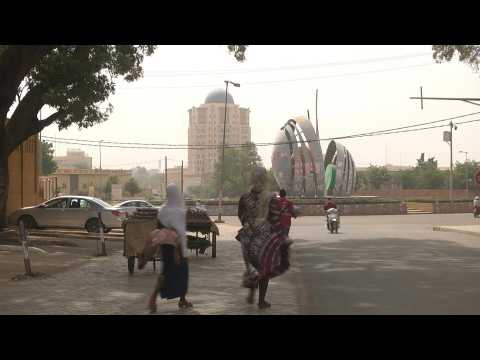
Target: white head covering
[(173, 215)]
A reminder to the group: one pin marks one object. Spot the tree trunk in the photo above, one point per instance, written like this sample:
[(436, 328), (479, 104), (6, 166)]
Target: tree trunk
[(4, 178)]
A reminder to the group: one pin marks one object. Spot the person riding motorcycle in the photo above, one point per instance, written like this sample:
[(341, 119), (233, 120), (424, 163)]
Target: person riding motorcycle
[(476, 206), (330, 204)]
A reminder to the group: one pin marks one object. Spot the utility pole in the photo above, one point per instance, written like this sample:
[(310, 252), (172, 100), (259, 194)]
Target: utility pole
[(451, 162), (466, 171), (316, 112), (100, 150), (220, 191), (166, 177), (181, 180)]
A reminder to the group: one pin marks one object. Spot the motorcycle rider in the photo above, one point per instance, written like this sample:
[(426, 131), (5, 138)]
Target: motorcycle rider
[(476, 206), (330, 204)]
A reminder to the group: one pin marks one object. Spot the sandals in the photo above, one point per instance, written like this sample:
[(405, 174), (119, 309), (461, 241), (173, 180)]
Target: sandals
[(264, 305), (184, 304)]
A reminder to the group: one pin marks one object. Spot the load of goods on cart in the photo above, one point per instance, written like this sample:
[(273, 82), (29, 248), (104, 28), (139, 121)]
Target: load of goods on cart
[(138, 227)]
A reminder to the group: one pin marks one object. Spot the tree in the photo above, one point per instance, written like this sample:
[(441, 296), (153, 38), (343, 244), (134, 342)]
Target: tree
[(239, 164), (73, 81), (469, 54), (462, 171), (48, 164), (108, 186), (376, 176), (131, 187)]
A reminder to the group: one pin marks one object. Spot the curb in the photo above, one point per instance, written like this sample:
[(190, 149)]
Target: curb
[(459, 231)]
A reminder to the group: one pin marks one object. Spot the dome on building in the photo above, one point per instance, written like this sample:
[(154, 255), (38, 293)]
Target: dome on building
[(218, 96)]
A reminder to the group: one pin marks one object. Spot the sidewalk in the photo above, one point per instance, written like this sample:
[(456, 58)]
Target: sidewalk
[(465, 229), (103, 286)]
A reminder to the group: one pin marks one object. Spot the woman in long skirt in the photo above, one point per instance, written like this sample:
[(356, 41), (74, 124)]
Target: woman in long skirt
[(171, 238), (265, 247)]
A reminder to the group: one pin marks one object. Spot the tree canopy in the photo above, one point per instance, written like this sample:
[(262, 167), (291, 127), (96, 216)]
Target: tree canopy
[(49, 166), (469, 54), (73, 81)]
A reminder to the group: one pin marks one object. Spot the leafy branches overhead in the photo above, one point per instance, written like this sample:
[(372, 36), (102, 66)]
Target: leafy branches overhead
[(238, 51), (469, 54)]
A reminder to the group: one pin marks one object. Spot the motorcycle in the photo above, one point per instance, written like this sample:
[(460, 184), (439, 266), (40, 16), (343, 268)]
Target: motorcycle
[(333, 222)]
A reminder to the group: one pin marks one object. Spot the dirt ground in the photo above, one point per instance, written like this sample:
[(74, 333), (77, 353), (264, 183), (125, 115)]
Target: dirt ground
[(54, 260)]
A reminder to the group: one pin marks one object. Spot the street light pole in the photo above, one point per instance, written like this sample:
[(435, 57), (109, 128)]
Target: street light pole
[(220, 191), (466, 170), (100, 151), (451, 163)]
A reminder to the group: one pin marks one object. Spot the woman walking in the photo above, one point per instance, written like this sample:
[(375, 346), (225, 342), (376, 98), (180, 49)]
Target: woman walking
[(265, 247), (171, 238)]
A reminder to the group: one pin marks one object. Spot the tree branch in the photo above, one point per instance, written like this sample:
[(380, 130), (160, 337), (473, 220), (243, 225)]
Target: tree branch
[(24, 121), (15, 63)]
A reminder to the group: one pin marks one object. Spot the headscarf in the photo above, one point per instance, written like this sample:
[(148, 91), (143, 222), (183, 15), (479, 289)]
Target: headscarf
[(173, 215), (258, 179)]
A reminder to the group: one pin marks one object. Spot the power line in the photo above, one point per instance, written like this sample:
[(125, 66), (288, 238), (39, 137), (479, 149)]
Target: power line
[(284, 80), (176, 73), (188, 146), (264, 144)]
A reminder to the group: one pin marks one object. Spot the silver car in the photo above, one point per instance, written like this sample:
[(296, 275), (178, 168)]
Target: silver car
[(77, 212), (130, 206)]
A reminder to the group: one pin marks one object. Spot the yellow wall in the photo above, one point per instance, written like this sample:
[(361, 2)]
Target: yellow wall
[(24, 170)]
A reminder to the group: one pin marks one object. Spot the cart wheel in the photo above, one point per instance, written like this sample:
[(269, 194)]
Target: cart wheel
[(131, 264)]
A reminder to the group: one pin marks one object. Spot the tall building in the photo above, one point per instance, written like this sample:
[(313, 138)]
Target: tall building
[(206, 128), (75, 159)]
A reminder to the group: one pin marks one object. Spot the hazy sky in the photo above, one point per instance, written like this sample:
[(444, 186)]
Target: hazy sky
[(361, 88)]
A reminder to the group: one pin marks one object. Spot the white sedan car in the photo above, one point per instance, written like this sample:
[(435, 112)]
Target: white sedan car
[(130, 206), (77, 212)]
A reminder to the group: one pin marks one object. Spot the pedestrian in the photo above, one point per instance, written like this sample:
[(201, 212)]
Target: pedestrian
[(265, 248), (286, 212), (171, 239)]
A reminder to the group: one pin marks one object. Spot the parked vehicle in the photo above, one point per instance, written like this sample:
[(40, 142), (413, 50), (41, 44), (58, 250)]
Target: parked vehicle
[(130, 206), (76, 212), (333, 222)]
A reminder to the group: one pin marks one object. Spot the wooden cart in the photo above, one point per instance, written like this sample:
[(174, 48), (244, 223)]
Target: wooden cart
[(137, 230)]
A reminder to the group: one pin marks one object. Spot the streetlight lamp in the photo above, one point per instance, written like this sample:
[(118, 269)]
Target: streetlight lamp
[(220, 192), (466, 170)]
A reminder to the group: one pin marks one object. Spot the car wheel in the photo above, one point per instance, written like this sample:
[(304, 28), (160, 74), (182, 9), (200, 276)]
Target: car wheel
[(28, 221), (93, 226)]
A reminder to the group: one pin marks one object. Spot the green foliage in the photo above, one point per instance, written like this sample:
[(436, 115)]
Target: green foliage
[(238, 51), (108, 186), (376, 176), (464, 171), (239, 164), (469, 54), (48, 164), (131, 187)]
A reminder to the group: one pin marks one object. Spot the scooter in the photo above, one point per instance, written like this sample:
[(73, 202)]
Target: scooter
[(333, 222)]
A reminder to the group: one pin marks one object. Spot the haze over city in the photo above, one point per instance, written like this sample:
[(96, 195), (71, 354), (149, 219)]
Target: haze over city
[(361, 88)]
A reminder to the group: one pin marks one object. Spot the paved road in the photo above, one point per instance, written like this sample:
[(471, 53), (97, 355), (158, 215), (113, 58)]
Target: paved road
[(375, 265), (388, 265)]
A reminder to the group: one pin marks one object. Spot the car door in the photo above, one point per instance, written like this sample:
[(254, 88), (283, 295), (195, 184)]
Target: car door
[(53, 213), (77, 213)]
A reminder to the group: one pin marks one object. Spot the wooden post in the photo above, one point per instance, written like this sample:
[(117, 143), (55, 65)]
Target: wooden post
[(181, 180), (102, 237), (166, 183), (214, 245), (26, 254)]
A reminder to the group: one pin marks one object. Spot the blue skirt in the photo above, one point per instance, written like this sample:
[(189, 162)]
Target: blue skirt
[(175, 283)]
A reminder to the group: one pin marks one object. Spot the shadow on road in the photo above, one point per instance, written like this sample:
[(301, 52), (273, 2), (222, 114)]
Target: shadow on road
[(389, 276)]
